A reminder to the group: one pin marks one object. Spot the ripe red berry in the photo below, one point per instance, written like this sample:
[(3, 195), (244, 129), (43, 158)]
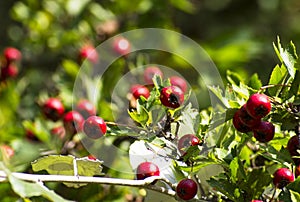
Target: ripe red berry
[(121, 46), (186, 141), (94, 127), (90, 53), (91, 157), (150, 72), (238, 124), (59, 131), (282, 177), (86, 108), (12, 54), (31, 136), (73, 122), (258, 105), (264, 131), (293, 146), (187, 189), (178, 81), (171, 96), (139, 90), (9, 71), (7, 151), (256, 200), (53, 109), (246, 119), (146, 169)]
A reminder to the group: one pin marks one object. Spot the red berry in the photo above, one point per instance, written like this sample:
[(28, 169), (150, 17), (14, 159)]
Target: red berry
[(86, 108), (7, 151), (12, 54), (94, 127), (121, 46), (246, 119), (264, 131), (91, 157), (258, 105), (90, 53), (186, 141), (150, 72), (171, 96), (9, 71), (31, 136), (146, 169), (53, 109), (139, 90), (187, 189), (178, 81), (282, 177), (73, 122), (293, 146), (256, 200), (59, 131), (238, 124)]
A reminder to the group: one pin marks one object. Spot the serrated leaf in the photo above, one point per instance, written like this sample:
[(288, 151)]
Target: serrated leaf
[(254, 82), (224, 186), (68, 165), (233, 77), (286, 56), (218, 93), (140, 115)]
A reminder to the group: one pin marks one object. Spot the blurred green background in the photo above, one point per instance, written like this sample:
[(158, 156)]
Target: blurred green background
[(238, 36)]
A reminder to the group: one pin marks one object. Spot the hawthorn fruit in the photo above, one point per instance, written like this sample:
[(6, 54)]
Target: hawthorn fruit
[(172, 97), (282, 177), (146, 169), (187, 189), (94, 127)]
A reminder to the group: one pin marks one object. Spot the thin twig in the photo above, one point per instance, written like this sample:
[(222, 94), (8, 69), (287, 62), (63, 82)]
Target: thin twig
[(146, 183)]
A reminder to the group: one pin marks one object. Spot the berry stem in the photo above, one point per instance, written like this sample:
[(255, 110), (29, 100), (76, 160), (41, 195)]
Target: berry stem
[(273, 85)]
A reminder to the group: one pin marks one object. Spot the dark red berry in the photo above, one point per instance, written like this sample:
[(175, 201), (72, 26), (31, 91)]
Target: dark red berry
[(94, 127), (178, 81), (146, 169), (121, 45), (187, 189), (150, 72), (59, 131), (264, 131), (9, 71), (31, 136), (139, 90), (186, 141), (238, 124), (86, 108), (12, 54), (7, 151), (73, 122), (293, 146), (90, 53), (246, 119), (171, 96), (282, 177), (53, 109), (258, 105)]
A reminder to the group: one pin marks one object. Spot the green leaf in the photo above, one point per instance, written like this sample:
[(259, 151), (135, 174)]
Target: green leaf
[(277, 76), (254, 82), (29, 189), (295, 88), (183, 5), (234, 167), (224, 186), (218, 93), (287, 56), (140, 115), (70, 67), (295, 196), (68, 165), (233, 77)]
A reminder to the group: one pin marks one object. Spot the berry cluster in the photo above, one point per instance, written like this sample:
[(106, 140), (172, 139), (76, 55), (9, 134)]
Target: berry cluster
[(82, 119), (9, 67), (249, 118), (170, 96)]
